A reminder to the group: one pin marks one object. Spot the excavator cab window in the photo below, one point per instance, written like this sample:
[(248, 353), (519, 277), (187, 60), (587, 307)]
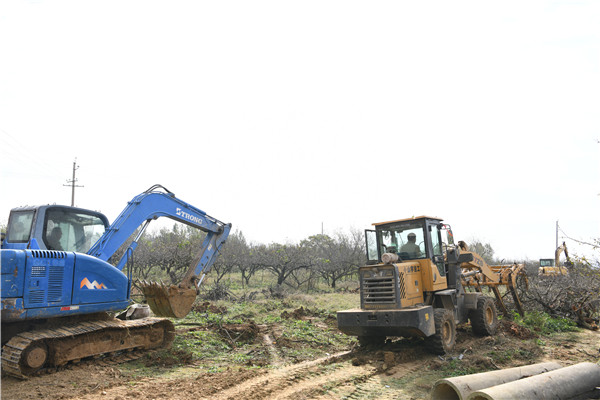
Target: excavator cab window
[(546, 262), (19, 227), (70, 230)]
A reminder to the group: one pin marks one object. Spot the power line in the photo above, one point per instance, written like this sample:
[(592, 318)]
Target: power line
[(595, 246), (72, 183), (11, 147)]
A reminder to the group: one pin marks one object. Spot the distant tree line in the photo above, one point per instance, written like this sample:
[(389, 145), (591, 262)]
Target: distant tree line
[(169, 253), (328, 259)]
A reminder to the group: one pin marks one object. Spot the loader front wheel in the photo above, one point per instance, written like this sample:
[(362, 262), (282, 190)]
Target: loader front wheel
[(484, 319), (444, 339)]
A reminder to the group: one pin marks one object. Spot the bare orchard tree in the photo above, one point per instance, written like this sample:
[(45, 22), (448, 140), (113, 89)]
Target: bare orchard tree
[(336, 258), (304, 277), (253, 263), (175, 251), (144, 266), (233, 254), (349, 256), (485, 250), (282, 259), (319, 248)]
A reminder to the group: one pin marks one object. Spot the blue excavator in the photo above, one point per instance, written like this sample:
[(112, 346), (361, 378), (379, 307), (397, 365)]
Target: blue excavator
[(59, 291)]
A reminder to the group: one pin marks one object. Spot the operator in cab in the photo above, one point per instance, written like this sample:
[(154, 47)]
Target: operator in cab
[(411, 247), (54, 239)]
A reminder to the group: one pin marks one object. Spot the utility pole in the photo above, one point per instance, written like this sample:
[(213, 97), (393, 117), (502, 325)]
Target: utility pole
[(556, 247), (72, 183)]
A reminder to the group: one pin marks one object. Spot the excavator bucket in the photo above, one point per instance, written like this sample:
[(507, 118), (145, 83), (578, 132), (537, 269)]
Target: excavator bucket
[(168, 300)]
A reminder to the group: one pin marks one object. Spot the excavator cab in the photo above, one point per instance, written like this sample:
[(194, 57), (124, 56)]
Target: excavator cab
[(53, 227)]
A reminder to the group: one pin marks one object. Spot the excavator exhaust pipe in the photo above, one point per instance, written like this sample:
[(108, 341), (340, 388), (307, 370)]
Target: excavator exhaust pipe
[(168, 300)]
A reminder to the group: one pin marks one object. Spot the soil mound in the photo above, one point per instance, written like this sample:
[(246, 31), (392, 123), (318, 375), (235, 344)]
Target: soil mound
[(208, 307)]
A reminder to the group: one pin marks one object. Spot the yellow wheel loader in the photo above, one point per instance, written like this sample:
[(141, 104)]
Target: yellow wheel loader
[(417, 282)]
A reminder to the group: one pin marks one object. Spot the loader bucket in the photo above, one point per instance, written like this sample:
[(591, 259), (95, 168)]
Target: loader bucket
[(168, 300)]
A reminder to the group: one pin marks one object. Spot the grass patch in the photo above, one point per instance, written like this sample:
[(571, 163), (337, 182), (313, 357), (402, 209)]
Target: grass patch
[(544, 324), (301, 331), (293, 328), (458, 368)]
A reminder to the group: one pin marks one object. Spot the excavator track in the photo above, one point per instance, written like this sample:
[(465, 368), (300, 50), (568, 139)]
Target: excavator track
[(32, 352)]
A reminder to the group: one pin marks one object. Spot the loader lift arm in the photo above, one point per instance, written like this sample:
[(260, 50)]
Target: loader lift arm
[(152, 204), (477, 273)]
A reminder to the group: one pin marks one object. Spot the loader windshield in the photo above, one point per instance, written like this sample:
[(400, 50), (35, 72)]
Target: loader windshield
[(406, 240)]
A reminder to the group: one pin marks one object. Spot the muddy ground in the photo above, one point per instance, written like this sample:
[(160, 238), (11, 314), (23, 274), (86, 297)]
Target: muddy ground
[(401, 369)]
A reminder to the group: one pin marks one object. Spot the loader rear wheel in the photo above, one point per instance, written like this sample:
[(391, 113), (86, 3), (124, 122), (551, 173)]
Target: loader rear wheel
[(484, 319), (444, 339)]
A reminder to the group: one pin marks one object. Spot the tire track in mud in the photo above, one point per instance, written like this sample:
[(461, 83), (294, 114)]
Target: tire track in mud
[(315, 384), (298, 381), (333, 377), (370, 388), (375, 386), (275, 358)]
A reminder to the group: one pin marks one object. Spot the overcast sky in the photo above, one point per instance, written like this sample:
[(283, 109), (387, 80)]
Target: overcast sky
[(285, 116)]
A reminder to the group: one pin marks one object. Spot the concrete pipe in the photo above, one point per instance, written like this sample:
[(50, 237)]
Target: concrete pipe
[(563, 383), (460, 387)]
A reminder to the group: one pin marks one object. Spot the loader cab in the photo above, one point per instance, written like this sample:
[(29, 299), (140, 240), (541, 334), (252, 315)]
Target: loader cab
[(411, 238), (54, 227)]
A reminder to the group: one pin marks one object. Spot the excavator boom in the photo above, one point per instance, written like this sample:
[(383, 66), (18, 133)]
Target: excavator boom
[(173, 301)]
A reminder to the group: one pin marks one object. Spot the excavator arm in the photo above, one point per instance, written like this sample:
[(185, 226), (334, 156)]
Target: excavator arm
[(558, 252), (156, 202)]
